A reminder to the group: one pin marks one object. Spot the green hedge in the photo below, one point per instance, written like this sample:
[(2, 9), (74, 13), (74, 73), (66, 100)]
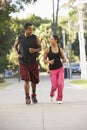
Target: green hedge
[(1, 80)]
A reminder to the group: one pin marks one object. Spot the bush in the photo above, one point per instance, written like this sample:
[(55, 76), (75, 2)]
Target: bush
[(1, 80)]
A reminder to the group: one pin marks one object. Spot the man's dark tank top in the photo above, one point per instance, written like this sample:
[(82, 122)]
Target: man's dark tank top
[(24, 44), (57, 60)]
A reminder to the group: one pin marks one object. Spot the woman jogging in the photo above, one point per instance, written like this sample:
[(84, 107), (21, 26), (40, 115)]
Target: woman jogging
[(54, 56)]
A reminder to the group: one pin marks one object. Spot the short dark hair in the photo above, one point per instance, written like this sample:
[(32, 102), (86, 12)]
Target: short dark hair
[(27, 24), (56, 38)]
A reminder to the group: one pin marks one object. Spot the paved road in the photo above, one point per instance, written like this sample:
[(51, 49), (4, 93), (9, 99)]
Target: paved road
[(16, 115)]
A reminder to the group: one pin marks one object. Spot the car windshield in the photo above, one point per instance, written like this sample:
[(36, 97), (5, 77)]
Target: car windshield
[(74, 65)]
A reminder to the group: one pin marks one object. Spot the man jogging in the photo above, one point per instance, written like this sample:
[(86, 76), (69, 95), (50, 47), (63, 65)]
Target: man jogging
[(27, 46)]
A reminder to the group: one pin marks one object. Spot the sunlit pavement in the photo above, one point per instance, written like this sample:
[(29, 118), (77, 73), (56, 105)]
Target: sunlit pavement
[(70, 115)]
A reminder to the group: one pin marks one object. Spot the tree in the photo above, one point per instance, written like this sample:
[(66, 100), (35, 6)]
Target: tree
[(85, 16), (14, 5), (5, 43), (7, 31), (72, 8), (44, 32), (70, 25), (55, 18)]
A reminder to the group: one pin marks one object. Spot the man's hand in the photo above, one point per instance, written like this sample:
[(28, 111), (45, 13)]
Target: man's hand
[(31, 50), (19, 56)]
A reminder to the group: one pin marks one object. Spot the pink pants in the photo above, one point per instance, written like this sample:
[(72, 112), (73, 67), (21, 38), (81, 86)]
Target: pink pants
[(57, 81)]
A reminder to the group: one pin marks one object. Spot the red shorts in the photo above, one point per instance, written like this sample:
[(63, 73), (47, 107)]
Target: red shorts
[(29, 72)]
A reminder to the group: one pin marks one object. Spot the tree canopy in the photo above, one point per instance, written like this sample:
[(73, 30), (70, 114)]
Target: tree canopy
[(10, 28), (14, 5)]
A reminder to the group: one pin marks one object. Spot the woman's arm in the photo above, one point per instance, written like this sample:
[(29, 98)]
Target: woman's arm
[(45, 57), (62, 55)]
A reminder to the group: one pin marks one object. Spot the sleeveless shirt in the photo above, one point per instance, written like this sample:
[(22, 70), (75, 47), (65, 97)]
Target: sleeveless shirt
[(57, 60), (24, 44)]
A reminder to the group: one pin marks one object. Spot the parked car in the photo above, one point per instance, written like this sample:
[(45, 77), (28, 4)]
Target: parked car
[(8, 73), (75, 68)]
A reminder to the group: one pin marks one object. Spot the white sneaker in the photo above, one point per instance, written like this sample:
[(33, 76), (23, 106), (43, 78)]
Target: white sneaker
[(59, 102)]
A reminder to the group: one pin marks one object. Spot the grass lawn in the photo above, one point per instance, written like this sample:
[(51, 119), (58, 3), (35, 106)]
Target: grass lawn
[(4, 85), (82, 83)]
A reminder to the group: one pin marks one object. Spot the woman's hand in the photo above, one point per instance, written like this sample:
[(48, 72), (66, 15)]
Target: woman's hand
[(64, 60), (51, 62)]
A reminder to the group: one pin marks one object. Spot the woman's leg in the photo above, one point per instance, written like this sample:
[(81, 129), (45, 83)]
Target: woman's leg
[(53, 78), (60, 84)]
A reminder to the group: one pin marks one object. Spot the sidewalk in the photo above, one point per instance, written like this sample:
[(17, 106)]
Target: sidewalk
[(70, 115)]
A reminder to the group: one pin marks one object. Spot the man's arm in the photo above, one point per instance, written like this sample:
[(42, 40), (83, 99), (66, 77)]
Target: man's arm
[(16, 48), (38, 44), (33, 50)]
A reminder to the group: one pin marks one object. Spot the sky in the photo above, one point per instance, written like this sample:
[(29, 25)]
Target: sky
[(42, 8)]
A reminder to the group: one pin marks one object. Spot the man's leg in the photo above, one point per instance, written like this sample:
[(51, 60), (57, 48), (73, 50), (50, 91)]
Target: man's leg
[(25, 75), (34, 99), (34, 74), (27, 90)]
